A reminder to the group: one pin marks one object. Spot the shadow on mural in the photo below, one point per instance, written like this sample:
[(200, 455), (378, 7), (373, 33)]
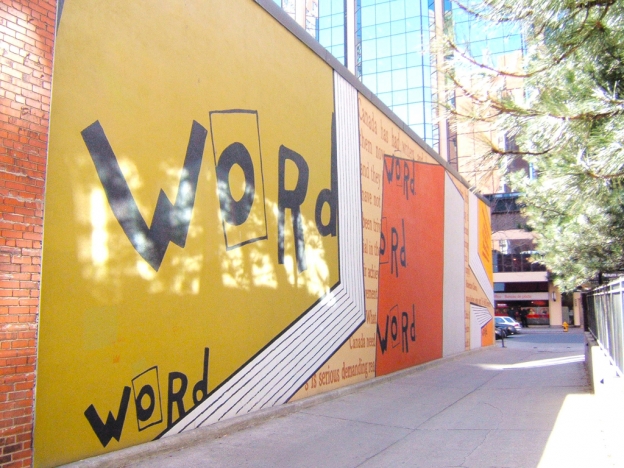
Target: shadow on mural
[(227, 230)]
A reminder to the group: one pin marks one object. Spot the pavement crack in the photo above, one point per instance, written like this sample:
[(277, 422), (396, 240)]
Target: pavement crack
[(485, 437), (497, 409)]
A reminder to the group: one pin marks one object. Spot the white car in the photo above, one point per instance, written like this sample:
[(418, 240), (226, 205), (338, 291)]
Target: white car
[(509, 322)]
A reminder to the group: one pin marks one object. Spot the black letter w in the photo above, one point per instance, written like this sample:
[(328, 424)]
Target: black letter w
[(113, 426), (170, 222)]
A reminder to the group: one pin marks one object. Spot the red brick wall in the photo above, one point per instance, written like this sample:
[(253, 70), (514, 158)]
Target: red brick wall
[(26, 45)]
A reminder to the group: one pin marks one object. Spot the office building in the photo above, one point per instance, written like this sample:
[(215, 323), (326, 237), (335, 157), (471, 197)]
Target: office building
[(387, 44)]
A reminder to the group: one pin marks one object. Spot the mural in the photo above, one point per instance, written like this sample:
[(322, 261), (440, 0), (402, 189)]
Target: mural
[(409, 320), (355, 360), (230, 225), (191, 223), (479, 278), (455, 267)]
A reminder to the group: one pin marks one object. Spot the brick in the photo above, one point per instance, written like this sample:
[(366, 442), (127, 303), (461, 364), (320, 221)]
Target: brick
[(21, 459), (30, 302), (11, 448), (26, 36), (32, 236)]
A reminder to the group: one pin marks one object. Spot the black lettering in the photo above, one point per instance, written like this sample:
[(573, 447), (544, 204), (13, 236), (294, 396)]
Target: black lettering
[(113, 426), (406, 178), (144, 413), (403, 252), (176, 398), (404, 327), (201, 387), (413, 325), (389, 168), (329, 196), (394, 328), (170, 222), (235, 212), (291, 199), (383, 342), (394, 238), (382, 244)]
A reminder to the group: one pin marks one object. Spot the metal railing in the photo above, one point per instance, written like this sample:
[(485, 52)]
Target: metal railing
[(606, 321)]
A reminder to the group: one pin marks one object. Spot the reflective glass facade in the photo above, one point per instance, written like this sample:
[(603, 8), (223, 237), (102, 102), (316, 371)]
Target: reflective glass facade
[(310, 17), (498, 46), (331, 29), (486, 42), (394, 58)]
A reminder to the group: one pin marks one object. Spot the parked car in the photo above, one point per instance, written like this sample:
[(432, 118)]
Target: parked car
[(511, 321), (499, 332), (502, 324)]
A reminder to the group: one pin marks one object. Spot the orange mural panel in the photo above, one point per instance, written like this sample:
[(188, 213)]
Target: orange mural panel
[(485, 239), (409, 321), (487, 334)]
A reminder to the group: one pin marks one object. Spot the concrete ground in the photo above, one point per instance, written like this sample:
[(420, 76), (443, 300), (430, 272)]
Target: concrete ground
[(526, 405)]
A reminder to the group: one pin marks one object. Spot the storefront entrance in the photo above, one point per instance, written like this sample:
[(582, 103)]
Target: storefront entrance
[(537, 311)]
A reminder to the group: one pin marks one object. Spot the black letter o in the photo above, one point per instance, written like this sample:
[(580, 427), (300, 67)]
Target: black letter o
[(143, 414), (235, 212)]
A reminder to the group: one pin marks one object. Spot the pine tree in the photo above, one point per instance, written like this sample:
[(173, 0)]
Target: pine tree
[(567, 122)]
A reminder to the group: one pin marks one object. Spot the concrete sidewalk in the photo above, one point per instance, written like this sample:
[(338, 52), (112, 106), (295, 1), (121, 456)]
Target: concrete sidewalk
[(525, 405)]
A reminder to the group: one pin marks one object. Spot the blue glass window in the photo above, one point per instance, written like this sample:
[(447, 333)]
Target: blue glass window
[(384, 82), (399, 80), (383, 47), (395, 55), (397, 9), (401, 112), (382, 13), (384, 64), (399, 61)]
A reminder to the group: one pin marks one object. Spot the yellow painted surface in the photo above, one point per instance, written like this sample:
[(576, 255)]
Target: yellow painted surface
[(146, 71), (485, 239)]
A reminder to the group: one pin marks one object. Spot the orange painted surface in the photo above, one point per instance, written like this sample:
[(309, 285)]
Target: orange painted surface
[(485, 239), (487, 334), (409, 323)]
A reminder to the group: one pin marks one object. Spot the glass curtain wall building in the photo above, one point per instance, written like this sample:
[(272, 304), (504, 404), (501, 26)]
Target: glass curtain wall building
[(331, 31), (391, 53), (325, 20), (494, 46), (304, 12), (394, 59)]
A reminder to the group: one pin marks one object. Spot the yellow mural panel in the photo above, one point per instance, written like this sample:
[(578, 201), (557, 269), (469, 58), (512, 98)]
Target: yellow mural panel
[(186, 158), (485, 239)]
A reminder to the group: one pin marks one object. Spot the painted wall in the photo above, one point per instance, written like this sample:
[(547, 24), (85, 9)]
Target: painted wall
[(455, 267), (230, 224)]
